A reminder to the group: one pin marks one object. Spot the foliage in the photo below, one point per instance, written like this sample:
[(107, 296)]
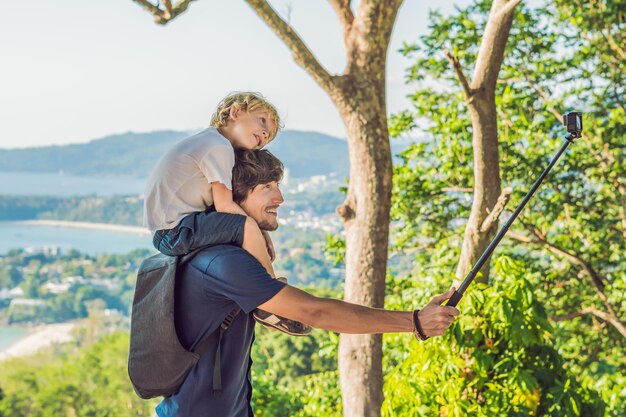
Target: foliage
[(499, 358), (571, 237), (126, 210), (108, 277), (296, 376), (87, 382)]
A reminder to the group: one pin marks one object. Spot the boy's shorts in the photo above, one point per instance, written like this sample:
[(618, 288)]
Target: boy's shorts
[(201, 229)]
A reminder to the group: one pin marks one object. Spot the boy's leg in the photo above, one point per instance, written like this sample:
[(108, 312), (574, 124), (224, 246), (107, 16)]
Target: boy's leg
[(254, 243), (199, 230)]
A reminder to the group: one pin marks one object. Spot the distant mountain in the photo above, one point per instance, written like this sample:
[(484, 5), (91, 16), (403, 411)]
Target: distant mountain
[(134, 154)]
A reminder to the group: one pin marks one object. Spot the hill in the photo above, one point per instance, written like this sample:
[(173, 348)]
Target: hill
[(305, 153), (134, 154)]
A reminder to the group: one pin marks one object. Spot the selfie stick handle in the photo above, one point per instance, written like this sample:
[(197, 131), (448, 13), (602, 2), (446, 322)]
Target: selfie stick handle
[(458, 294)]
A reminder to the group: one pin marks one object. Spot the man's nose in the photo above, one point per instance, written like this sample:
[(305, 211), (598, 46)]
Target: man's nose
[(278, 197)]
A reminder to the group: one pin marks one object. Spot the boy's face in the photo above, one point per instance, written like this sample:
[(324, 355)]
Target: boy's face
[(250, 130)]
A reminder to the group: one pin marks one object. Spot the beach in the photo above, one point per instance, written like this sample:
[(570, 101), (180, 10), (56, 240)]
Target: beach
[(40, 337), (85, 225)]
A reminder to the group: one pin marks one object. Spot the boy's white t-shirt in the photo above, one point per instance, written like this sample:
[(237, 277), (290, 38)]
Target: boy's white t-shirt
[(180, 183)]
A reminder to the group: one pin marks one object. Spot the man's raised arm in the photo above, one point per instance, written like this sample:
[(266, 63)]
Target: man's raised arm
[(343, 317)]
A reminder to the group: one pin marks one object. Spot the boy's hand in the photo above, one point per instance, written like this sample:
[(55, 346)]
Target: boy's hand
[(269, 244)]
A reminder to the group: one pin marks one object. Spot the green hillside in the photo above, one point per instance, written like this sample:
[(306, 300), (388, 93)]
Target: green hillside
[(134, 154)]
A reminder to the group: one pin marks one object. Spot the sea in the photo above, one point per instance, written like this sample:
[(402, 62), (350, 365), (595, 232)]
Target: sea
[(92, 242), (10, 335)]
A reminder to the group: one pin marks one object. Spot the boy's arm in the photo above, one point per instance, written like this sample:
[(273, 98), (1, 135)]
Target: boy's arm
[(343, 317), (223, 199)]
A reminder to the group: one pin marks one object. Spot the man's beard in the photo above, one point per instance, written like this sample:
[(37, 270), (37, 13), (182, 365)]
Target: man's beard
[(268, 226)]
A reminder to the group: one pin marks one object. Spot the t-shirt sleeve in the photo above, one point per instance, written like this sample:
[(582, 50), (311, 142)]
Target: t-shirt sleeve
[(217, 164), (238, 276)]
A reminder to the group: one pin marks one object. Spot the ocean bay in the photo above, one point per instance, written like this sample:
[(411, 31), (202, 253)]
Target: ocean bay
[(89, 241)]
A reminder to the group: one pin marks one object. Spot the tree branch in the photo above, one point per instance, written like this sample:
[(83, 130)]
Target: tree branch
[(344, 12), (619, 326), (301, 53), (597, 281), (492, 46), (458, 189), (346, 19), (573, 258), (164, 16), (168, 6), (151, 8), (492, 218), (508, 8), (459, 73), (613, 44)]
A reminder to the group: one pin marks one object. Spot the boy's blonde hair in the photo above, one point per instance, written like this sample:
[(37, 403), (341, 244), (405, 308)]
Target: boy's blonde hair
[(248, 102)]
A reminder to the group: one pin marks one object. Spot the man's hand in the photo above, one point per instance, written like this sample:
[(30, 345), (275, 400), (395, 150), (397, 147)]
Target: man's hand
[(435, 318), (269, 244)]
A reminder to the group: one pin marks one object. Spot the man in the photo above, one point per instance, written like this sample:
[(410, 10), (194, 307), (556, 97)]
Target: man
[(220, 278)]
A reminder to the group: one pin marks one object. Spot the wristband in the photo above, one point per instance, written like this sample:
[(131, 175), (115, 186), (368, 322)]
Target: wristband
[(417, 327)]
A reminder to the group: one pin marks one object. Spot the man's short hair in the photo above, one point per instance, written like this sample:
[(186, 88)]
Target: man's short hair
[(254, 167)]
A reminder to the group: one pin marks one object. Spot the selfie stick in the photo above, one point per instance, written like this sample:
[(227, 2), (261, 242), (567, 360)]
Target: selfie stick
[(574, 123)]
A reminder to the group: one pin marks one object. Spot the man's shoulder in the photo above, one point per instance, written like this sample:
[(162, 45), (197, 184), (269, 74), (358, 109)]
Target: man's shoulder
[(224, 255)]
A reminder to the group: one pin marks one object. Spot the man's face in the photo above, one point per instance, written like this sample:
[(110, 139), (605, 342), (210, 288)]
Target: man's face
[(262, 205)]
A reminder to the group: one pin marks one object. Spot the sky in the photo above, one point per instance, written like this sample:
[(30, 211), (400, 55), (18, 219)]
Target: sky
[(76, 70)]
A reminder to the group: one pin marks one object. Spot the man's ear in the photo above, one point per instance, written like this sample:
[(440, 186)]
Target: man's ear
[(235, 111)]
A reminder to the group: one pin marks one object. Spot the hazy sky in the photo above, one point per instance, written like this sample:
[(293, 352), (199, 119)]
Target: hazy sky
[(76, 70)]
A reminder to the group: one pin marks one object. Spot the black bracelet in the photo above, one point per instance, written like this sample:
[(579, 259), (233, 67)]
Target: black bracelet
[(417, 327)]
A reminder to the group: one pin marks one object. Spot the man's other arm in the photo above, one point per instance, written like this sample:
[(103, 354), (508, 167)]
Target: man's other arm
[(343, 317)]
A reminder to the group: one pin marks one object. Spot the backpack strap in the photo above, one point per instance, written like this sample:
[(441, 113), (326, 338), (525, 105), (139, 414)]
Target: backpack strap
[(217, 367), (202, 347)]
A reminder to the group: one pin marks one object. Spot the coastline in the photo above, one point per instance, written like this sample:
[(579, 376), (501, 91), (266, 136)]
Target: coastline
[(84, 225), (38, 338)]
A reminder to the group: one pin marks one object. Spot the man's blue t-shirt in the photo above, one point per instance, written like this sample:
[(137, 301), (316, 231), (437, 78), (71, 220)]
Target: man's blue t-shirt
[(208, 288)]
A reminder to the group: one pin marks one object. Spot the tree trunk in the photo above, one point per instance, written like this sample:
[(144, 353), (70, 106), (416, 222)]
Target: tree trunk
[(480, 95), (366, 216), (486, 186)]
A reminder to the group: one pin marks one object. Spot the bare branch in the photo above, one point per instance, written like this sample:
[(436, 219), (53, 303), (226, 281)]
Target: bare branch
[(301, 53), (613, 44), (164, 16), (492, 218), (573, 258), (508, 8), (597, 281), (619, 326), (492, 46), (457, 189), (168, 6), (151, 8), (366, 46), (342, 8), (459, 73)]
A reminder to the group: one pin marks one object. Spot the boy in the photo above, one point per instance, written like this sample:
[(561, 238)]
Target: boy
[(189, 201)]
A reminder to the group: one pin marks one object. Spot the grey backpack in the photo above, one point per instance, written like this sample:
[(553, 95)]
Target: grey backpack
[(157, 362)]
